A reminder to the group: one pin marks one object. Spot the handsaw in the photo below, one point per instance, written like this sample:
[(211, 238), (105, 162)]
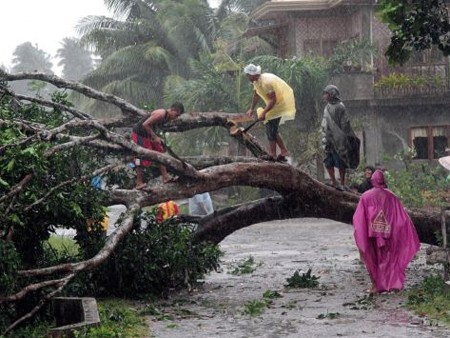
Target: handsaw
[(234, 130), (239, 118)]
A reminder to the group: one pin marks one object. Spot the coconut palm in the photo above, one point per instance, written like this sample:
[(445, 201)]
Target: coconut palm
[(30, 58), (144, 43), (75, 60)]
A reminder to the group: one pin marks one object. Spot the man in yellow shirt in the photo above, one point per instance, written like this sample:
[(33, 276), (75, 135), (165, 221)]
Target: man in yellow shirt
[(279, 99)]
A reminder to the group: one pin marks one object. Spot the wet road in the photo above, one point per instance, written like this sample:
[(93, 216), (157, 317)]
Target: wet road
[(340, 307)]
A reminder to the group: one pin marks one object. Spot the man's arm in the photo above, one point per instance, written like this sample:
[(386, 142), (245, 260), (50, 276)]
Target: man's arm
[(155, 117), (272, 100), (255, 100)]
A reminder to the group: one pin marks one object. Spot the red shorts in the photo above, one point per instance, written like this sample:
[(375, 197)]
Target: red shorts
[(146, 143)]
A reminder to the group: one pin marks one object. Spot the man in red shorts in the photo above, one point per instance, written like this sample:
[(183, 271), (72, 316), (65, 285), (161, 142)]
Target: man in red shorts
[(144, 135)]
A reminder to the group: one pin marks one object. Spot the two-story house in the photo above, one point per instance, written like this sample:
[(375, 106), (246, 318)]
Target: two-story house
[(400, 108)]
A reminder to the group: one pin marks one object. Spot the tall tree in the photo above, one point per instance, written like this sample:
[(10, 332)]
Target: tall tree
[(75, 59), (29, 58), (37, 180), (151, 40), (416, 25)]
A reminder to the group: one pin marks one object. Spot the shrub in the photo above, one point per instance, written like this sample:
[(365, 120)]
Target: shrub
[(153, 259)]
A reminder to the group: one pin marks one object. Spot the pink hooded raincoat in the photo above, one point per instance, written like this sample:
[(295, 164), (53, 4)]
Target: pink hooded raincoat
[(385, 235)]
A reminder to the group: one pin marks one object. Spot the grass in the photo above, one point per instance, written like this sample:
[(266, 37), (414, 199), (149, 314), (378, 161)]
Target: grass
[(119, 319), (431, 299), (63, 245)]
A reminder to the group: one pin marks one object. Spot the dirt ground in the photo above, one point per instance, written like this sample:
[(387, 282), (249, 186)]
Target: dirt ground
[(339, 307)]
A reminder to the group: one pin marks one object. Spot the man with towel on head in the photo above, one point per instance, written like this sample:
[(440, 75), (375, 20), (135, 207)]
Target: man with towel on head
[(279, 99)]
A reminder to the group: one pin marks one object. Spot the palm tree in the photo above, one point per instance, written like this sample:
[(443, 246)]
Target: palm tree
[(151, 40), (75, 60), (30, 58)]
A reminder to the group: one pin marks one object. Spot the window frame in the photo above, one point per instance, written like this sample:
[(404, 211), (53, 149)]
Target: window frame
[(430, 138)]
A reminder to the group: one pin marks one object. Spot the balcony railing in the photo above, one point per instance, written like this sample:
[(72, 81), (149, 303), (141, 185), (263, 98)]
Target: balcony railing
[(411, 91)]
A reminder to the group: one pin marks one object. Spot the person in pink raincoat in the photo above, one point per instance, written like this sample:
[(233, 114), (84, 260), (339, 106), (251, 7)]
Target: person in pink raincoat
[(385, 236)]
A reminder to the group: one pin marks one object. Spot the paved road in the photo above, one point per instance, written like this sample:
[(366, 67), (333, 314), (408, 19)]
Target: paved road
[(340, 307)]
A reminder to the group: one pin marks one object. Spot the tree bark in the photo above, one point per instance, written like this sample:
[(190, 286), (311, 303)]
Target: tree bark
[(300, 195)]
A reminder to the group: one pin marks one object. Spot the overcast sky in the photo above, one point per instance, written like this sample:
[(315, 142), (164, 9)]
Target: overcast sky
[(43, 22)]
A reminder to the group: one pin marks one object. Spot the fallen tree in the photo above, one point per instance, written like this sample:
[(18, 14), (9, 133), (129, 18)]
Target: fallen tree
[(299, 194)]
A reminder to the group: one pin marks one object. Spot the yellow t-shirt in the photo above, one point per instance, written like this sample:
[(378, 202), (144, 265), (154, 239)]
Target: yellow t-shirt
[(285, 104)]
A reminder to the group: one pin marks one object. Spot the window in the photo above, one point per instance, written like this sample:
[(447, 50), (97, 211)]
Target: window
[(319, 47), (429, 142)]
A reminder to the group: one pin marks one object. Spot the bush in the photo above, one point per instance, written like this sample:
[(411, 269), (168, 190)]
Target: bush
[(9, 262), (153, 259), (431, 298), (419, 185)]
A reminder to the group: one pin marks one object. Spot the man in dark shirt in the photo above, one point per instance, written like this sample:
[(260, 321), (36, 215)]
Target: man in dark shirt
[(337, 137), (144, 135)]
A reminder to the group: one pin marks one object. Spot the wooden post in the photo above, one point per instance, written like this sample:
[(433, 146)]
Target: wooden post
[(444, 238)]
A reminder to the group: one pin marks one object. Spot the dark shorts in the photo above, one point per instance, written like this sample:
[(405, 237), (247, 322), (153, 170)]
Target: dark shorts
[(146, 143), (334, 161), (272, 129)]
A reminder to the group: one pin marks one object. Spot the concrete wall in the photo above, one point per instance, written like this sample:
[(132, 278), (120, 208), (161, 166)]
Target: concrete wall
[(386, 124)]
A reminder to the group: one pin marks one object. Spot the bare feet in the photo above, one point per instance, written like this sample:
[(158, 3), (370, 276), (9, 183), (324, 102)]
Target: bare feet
[(168, 179), (372, 290), (140, 186)]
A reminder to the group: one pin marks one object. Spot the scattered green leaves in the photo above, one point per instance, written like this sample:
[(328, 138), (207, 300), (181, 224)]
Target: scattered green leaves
[(329, 315), (302, 280), (245, 267), (431, 299), (256, 307)]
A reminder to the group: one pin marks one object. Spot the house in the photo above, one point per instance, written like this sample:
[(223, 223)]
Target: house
[(399, 108)]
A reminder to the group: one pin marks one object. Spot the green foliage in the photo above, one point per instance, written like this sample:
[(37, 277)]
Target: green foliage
[(38, 329), (399, 80), (302, 280), (429, 188), (431, 299), (329, 315), (75, 60), (256, 307), (118, 319), (38, 192), (153, 259), (69, 205), (245, 267), (271, 294), (353, 55), (415, 25), (9, 263), (60, 249)]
